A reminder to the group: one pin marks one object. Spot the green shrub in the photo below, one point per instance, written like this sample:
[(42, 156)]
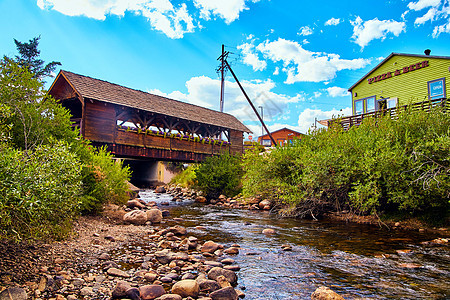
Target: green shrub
[(104, 179), (220, 175), (38, 191), (380, 166), (186, 178)]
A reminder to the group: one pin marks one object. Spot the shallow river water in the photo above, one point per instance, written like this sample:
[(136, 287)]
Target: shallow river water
[(356, 261)]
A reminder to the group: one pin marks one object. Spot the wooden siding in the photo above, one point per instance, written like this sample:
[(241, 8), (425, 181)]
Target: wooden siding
[(282, 135), (408, 87), (99, 121), (237, 141)]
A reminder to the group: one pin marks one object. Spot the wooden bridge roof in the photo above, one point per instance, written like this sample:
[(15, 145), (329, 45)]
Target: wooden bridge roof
[(104, 91)]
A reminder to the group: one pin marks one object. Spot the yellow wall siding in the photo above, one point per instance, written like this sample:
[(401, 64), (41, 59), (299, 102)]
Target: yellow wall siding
[(407, 87)]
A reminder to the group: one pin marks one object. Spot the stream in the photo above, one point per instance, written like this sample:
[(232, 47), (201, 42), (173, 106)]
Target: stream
[(356, 261)]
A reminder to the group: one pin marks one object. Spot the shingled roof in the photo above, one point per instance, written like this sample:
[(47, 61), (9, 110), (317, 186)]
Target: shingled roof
[(104, 91)]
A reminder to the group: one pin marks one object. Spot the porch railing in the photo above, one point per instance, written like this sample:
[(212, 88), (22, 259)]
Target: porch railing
[(356, 120)]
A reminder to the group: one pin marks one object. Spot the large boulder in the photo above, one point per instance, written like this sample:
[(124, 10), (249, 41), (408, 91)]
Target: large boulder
[(154, 215), (13, 293), (227, 293), (186, 288), (208, 285), (228, 274), (151, 291), (324, 293), (137, 217)]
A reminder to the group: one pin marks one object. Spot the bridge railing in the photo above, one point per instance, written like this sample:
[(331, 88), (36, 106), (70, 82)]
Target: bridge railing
[(172, 143)]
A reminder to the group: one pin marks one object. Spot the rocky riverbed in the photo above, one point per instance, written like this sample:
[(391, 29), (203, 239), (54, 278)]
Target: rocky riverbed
[(134, 252)]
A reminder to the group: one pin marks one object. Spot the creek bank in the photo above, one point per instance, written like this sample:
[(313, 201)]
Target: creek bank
[(258, 203)]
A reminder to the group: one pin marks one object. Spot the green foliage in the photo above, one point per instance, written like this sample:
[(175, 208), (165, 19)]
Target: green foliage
[(47, 173), (38, 191), (381, 166), (220, 175), (35, 118), (186, 178), (104, 179), (29, 59)]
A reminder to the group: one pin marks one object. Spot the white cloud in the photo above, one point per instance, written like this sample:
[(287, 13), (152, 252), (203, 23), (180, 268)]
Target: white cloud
[(167, 16), (429, 16), (307, 118), (228, 10), (336, 91), (302, 65), (421, 4), (277, 71), (251, 58), (305, 30), (162, 15), (332, 22), (366, 31)]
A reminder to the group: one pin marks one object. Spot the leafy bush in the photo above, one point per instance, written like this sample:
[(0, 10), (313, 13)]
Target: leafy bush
[(380, 166), (38, 191), (220, 175), (104, 179), (186, 178)]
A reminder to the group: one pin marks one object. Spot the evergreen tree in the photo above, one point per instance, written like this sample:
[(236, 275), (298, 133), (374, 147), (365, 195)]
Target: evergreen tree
[(29, 59)]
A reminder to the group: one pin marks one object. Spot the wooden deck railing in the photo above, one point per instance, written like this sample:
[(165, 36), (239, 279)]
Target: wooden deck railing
[(356, 120)]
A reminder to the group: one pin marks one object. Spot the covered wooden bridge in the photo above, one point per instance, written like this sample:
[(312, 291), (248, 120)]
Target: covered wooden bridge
[(136, 124)]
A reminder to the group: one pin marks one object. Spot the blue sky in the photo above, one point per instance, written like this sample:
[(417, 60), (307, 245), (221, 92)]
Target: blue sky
[(296, 59)]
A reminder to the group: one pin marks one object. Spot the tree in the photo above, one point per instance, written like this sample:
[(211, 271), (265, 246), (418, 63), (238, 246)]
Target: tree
[(29, 59)]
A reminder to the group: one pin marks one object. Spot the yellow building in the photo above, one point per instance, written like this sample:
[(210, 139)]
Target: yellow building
[(401, 79)]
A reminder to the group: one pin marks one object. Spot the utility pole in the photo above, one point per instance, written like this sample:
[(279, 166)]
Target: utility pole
[(222, 59)]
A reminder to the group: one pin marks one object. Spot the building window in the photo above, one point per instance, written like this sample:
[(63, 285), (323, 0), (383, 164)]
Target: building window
[(364, 105), (370, 104), (281, 142), (266, 143), (359, 106), (436, 89)]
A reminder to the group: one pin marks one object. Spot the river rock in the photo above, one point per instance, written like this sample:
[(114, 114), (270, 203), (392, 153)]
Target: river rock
[(216, 272), (137, 217), (170, 297), (160, 189), (227, 293), (151, 291), (178, 230), (135, 203), (268, 231), (186, 288), (154, 215), (208, 285), (324, 293), (222, 281), (265, 203), (164, 256), (200, 199), (118, 273), (133, 294), (120, 290), (209, 247), (227, 261), (104, 256), (232, 250), (86, 291), (13, 293), (150, 277)]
